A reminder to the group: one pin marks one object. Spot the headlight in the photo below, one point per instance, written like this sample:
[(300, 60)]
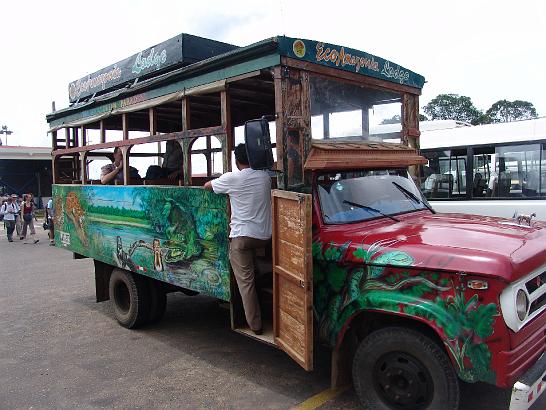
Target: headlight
[(522, 304)]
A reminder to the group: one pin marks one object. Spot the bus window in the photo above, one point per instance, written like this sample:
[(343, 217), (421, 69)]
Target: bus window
[(67, 169), (207, 160), (517, 171), (142, 157), (198, 161), (341, 110), (481, 174), (445, 174), (217, 166), (92, 136), (345, 123), (95, 160)]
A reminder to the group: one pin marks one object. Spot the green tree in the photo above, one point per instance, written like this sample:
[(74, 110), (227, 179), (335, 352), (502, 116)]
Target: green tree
[(482, 120), (394, 120), (506, 111), (452, 107)]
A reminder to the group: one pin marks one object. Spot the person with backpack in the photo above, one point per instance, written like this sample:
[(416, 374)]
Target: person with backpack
[(9, 210), (27, 213)]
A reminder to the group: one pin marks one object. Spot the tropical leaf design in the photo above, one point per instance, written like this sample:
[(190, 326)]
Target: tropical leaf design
[(393, 258), (466, 325), (341, 291)]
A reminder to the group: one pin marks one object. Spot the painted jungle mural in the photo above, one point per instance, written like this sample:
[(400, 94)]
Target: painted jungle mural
[(386, 281), (175, 234)]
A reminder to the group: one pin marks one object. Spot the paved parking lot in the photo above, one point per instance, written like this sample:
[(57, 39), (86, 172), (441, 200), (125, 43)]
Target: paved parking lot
[(60, 349)]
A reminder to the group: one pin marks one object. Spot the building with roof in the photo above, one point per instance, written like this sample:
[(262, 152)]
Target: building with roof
[(25, 170)]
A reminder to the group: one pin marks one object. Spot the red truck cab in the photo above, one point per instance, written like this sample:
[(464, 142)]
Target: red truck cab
[(423, 297)]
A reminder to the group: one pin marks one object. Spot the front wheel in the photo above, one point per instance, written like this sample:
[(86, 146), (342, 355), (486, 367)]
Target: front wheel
[(399, 368)]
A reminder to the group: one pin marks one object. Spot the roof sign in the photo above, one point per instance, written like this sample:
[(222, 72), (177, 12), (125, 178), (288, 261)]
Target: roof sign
[(178, 51), (349, 59)]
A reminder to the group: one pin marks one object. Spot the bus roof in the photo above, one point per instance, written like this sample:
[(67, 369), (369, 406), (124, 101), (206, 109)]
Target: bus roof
[(506, 132), (217, 69)]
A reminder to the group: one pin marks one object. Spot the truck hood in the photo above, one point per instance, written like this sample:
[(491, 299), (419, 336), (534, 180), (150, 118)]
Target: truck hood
[(456, 242)]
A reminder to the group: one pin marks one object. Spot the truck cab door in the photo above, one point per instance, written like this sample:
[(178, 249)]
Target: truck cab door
[(292, 276)]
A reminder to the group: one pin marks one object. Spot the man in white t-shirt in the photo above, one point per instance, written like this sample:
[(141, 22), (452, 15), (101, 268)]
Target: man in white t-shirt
[(249, 193), (9, 209)]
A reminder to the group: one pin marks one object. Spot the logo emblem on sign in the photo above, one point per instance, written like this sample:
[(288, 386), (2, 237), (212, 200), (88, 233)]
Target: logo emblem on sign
[(299, 48)]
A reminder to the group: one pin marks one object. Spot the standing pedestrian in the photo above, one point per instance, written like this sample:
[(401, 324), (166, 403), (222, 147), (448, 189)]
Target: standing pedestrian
[(2, 202), (50, 214), (17, 200), (27, 212), (9, 209)]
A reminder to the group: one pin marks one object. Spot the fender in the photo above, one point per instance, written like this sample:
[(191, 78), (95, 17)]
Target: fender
[(452, 311)]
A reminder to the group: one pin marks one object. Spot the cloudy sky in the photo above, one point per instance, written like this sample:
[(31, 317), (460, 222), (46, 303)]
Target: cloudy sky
[(487, 50)]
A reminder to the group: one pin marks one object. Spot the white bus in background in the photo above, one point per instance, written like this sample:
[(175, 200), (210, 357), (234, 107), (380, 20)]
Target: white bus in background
[(495, 169)]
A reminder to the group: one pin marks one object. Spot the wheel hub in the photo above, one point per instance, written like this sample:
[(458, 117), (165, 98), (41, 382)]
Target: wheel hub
[(402, 381)]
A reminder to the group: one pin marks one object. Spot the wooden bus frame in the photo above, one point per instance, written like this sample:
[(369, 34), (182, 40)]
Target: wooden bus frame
[(211, 98)]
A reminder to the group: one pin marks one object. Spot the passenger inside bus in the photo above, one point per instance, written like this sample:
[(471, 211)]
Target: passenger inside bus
[(479, 184), (500, 183), (171, 167), (112, 173)]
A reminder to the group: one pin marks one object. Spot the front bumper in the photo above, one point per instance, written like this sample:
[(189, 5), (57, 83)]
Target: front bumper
[(529, 386)]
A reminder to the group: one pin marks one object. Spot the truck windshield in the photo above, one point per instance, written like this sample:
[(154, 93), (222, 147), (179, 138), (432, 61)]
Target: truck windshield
[(354, 196)]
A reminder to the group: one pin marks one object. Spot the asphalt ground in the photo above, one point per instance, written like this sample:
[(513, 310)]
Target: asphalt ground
[(60, 349)]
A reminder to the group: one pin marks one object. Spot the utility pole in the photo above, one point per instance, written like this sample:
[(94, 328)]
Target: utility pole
[(5, 130)]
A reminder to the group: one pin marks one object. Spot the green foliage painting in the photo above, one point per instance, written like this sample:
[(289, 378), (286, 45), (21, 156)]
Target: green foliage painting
[(174, 234), (387, 281)]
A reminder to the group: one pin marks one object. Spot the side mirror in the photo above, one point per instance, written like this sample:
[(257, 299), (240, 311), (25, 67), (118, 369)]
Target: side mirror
[(258, 144)]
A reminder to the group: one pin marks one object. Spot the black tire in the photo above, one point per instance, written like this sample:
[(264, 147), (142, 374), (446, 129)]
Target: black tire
[(130, 296), (158, 301), (399, 368)]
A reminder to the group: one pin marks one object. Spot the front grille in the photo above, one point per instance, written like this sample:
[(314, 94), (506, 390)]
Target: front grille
[(536, 287), (538, 304), (536, 282)]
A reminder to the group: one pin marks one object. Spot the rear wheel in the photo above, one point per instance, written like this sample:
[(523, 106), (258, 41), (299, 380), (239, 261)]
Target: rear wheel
[(398, 368), (130, 297)]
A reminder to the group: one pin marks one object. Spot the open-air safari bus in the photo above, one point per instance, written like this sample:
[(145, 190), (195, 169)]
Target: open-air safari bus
[(408, 299)]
